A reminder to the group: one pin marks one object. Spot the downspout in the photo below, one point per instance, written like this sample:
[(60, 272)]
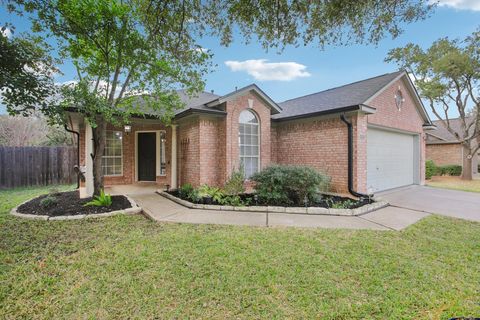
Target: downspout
[(78, 151), (350, 160)]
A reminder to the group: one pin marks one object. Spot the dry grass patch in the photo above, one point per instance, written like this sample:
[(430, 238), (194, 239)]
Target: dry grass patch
[(454, 183)]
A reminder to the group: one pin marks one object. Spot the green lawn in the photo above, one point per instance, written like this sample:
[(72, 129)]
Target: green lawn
[(129, 267)]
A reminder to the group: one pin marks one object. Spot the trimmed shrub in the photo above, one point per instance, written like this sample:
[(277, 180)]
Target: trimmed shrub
[(187, 191), (289, 185), (48, 202), (430, 169), (451, 170)]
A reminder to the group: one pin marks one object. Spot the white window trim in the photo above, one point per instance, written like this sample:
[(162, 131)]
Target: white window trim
[(157, 152), (259, 141), (121, 172)]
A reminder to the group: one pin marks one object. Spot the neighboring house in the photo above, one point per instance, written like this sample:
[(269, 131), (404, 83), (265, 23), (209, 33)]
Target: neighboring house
[(444, 148), (213, 135)]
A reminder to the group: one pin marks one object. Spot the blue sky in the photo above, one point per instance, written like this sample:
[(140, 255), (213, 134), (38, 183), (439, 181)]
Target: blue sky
[(310, 69)]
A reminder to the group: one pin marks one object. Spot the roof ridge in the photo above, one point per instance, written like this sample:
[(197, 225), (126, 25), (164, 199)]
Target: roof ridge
[(344, 85)]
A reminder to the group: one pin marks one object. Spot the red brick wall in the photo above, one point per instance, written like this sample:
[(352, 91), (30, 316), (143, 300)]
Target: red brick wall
[(189, 151), (321, 144), (444, 154), (210, 151)]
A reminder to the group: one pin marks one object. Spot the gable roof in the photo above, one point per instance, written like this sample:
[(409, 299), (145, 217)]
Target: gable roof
[(442, 135), (274, 107), (349, 95), (206, 102)]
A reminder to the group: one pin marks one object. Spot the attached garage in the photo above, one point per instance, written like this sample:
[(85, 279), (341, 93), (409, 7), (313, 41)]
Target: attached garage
[(392, 159)]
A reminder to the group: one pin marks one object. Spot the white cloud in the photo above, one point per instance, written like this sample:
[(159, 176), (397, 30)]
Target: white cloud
[(263, 70), (7, 32), (203, 50), (459, 4)]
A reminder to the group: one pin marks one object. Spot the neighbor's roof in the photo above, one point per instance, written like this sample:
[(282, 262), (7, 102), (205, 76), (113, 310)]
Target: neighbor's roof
[(442, 135), (349, 95)]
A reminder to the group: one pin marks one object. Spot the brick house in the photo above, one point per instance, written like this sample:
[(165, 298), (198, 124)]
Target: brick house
[(444, 148), (213, 135)]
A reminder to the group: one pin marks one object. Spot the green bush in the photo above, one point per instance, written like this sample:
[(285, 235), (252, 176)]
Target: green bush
[(430, 169), (235, 184), (103, 200), (289, 185), (187, 191), (451, 170), (48, 202)]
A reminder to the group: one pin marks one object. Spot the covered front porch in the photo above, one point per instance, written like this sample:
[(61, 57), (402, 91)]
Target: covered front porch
[(137, 156)]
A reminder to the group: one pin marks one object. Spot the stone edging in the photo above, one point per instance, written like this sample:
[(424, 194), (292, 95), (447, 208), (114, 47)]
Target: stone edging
[(135, 209), (291, 210)]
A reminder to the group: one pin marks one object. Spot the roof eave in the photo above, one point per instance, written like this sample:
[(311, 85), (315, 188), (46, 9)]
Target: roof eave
[(319, 113), (197, 111)]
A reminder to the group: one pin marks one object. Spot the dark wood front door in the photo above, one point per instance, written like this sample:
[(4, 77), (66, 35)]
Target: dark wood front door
[(147, 152)]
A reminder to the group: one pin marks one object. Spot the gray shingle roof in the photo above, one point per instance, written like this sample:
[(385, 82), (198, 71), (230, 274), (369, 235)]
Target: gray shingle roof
[(352, 94), (195, 103), (442, 135)]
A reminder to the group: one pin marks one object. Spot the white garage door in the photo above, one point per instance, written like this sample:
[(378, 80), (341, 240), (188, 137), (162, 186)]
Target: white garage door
[(391, 159)]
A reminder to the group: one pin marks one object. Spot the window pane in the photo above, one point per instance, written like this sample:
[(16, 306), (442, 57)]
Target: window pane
[(112, 161), (247, 116), (248, 142)]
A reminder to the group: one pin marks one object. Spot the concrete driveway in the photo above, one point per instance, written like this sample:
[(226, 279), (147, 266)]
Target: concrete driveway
[(452, 203)]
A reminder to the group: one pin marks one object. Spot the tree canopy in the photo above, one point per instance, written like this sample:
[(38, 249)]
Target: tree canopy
[(26, 70)]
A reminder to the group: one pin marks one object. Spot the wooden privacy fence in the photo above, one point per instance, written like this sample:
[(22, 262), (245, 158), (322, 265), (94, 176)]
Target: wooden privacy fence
[(30, 166)]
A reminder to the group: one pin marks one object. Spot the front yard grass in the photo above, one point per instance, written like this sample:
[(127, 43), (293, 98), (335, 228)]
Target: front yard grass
[(455, 183), (129, 267)]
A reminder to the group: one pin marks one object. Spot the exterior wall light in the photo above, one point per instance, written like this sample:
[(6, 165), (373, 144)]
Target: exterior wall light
[(128, 129)]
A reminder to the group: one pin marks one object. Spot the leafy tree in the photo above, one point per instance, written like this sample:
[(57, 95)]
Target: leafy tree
[(26, 71), (448, 76), (126, 48)]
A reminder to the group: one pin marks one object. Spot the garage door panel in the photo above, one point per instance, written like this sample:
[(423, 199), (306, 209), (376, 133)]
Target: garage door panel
[(390, 159)]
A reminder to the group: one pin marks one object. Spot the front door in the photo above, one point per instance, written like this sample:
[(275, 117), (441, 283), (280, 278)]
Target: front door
[(147, 152)]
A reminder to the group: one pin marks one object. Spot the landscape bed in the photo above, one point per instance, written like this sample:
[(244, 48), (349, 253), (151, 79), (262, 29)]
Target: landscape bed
[(69, 205), (327, 204)]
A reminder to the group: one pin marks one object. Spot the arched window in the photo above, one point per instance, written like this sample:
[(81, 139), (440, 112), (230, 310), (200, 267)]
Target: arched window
[(249, 141)]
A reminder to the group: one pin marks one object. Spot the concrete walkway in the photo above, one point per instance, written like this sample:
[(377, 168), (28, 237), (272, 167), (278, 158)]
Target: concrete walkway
[(161, 209)]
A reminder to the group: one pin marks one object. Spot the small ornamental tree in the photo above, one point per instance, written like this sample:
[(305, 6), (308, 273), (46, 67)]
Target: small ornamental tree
[(125, 48), (447, 76)]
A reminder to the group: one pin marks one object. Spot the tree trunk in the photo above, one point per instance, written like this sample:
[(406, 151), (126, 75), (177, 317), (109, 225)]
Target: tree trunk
[(99, 147), (467, 163)]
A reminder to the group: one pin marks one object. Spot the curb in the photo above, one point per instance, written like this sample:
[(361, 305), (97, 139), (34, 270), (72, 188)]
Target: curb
[(135, 209), (273, 209)]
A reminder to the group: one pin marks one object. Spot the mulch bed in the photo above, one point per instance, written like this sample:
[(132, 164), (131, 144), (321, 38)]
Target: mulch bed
[(70, 204), (327, 201)]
